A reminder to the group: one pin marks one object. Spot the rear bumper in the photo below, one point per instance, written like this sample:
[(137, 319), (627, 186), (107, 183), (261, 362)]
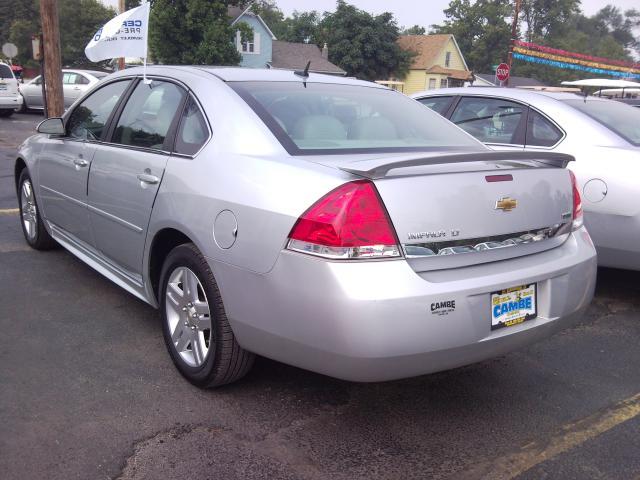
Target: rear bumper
[(14, 101), (372, 321), (616, 239)]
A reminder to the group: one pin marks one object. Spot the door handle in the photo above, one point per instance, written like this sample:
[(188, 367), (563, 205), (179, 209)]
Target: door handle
[(79, 162), (146, 178)]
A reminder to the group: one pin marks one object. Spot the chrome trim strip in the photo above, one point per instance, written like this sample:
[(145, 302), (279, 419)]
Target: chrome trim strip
[(66, 197), (122, 222)]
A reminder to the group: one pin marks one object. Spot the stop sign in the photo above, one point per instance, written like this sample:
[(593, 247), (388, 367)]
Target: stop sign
[(502, 72)]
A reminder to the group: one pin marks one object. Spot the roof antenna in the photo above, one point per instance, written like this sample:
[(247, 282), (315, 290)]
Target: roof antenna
[(304, 73)]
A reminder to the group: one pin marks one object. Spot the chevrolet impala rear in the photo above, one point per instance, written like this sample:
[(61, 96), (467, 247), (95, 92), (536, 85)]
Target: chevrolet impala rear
[(420, 251)]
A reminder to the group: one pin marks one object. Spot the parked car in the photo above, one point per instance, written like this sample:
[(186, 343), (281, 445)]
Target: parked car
[(74, 84), (10, 98), (310, 219), (603, 135)]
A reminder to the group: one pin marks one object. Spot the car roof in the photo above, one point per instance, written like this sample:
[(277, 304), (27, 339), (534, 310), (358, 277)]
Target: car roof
[(515, 93), (238, 74)]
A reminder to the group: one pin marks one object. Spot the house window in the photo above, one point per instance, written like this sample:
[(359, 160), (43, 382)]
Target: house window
[(432, 83), (447, 59), (443, 83), (250, 46)]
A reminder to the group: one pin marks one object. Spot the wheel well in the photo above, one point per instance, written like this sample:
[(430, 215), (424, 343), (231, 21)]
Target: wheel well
[(164, 241), (19, 166)]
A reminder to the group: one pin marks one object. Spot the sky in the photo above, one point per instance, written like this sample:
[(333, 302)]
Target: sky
[(412, 12)]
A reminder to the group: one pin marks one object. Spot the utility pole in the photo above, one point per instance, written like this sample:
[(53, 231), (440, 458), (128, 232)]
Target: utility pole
[(51, 48), (514, 33), (121, 7)]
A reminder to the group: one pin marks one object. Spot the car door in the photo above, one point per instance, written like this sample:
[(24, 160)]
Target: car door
[(32, 93), (71, 85), (126, 173), (498, 123), (64, 162)]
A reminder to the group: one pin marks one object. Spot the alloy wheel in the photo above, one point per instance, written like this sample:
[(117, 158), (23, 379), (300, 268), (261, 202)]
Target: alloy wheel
[(188, 316), (29, 210)]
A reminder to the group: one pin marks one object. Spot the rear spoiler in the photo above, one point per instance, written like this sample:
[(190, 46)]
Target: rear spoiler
[(379, 168)]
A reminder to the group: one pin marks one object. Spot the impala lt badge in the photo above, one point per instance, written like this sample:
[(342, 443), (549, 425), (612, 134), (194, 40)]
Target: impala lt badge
[(506, 204)]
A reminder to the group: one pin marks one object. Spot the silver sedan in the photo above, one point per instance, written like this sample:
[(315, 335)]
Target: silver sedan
[(74, 84), (603, 136), (324, 222)]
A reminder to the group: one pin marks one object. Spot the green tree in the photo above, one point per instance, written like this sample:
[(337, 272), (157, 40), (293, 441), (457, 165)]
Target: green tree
[(193, 32), (415, 30), (271, 14), (300, 27), (481, 30), (363, 45), (547, 18)]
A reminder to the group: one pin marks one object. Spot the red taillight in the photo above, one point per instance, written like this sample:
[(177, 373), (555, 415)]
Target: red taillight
[(348, 222), (577, 202)]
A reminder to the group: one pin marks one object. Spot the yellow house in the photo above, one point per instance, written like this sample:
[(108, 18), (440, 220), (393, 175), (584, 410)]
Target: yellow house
[(438, 63)]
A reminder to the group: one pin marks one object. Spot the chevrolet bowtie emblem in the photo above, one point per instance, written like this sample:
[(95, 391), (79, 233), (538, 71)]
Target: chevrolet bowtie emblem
[(506, 204)]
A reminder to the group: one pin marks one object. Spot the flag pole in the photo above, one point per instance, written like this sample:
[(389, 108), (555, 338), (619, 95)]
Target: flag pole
[(121, 60), (144, 67)]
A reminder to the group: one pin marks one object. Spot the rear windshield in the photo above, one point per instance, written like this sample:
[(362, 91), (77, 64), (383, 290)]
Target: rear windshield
[(616, 116), (5, 71), (320, 118)]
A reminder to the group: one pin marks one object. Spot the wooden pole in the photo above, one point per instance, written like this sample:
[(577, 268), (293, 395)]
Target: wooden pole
[(51, 49), (514, 33), (121, 7)]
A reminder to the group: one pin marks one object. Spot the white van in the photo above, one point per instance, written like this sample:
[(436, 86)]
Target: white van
[(10, 97)]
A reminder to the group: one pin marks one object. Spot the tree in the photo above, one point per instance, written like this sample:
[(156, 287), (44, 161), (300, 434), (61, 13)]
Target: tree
[(193, 32), (301, 27), (481, 30), (547, 18), (271, 14), (415, 30), (363, 45)]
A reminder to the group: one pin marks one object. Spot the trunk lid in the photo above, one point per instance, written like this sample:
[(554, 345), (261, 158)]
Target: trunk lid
[(461, 209)]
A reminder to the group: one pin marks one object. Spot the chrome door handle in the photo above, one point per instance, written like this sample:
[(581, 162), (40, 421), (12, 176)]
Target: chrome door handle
[(79, 162), (146, 178)]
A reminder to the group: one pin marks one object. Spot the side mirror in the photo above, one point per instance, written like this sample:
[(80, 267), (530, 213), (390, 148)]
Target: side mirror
[(51, 126)]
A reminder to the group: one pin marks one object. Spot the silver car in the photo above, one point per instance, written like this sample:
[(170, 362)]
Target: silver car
[(310, 219), (74, 84), (603, 136)]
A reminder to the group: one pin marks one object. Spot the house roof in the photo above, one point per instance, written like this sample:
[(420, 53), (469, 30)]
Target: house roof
[(234, 13), (450, 72), (426, 47), (294, 56), (513, 80)]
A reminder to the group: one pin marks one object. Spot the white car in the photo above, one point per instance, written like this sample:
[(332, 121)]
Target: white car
[(74, 84), (10, 98), (603, 136)]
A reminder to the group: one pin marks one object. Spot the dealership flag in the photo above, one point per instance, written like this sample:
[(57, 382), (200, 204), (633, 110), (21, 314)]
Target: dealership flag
[(122, 36)]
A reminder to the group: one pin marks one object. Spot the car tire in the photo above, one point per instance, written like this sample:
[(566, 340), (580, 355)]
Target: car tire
[(195, 326), (35, 233), (6, 113)]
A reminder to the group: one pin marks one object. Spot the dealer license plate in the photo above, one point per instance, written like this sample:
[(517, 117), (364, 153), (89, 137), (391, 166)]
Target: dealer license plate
[(513, 306)]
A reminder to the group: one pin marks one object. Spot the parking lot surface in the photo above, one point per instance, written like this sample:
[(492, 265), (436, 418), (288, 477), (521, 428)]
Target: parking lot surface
[(88, 391)]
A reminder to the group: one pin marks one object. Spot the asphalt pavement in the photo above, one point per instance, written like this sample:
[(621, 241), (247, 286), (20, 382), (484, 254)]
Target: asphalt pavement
[(87, 391)]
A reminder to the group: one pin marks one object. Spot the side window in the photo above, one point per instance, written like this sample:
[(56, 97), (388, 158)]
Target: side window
[(490, 120), (192, 132), (38, 80), (82, 80), (540, 131), (437, 104), (69, 78), (148, 114), (87, 121)]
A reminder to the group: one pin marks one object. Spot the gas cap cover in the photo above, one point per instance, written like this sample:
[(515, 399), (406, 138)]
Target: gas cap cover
[(225, 229)]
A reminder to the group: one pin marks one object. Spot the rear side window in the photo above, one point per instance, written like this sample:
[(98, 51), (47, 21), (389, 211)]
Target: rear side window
[(88, 119), (193, 131), (437, 104), (5, 71), (490, 120), (541, 132), (82, 80), (69, 78), (148, 115)]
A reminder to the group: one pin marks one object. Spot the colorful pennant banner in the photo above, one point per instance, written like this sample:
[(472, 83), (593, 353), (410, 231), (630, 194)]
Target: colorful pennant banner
[(586, 63), (582, 56), (575, 66)]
